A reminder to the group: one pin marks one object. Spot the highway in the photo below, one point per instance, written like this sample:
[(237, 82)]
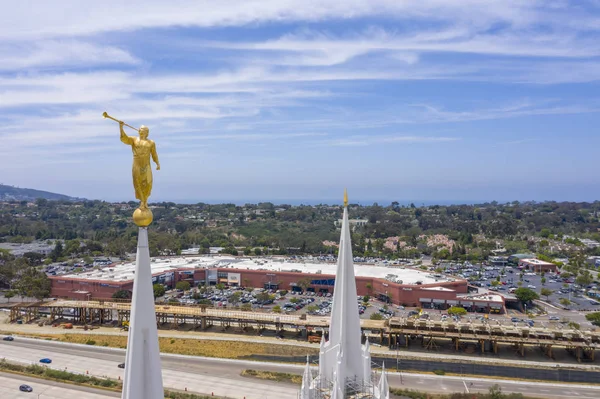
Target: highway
[(178, 373), (222, 376), (9, 389)]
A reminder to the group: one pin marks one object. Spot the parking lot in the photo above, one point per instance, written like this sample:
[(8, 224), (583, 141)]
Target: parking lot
[(285, 302), (509, 277)]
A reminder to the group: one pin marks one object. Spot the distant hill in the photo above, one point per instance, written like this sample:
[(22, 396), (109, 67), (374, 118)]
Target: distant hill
[(29, 194)]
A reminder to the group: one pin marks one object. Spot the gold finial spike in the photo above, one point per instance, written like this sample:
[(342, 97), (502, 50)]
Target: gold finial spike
[(345, 198)]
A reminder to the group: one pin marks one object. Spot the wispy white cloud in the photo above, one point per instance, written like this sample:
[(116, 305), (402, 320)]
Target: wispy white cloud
[(334, 50), (71, 17), (60, 53), (361, 141), (431, 69)]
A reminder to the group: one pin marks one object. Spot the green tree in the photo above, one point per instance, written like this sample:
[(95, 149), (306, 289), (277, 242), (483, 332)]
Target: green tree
[(564, 301), (246, 307), (457, 311), (257, 252), (235, 298), (366, 299), (33, 258), (182, 286), (584, 279), (312, 308), (495, 392), (159, 290), (594, 318), (57, 252), (546, 292), (277, 309), (33, 283), (121, 294), (376, 316), (294, 300), (263, 297), (9, 294), (574, 325), (304, 283), (543, 280), (526, 295), (220, 286)]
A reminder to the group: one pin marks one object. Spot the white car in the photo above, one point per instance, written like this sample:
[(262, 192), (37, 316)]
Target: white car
[(531, 286)]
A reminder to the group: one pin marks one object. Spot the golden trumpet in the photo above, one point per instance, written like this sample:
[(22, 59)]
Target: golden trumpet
[(106, 115)]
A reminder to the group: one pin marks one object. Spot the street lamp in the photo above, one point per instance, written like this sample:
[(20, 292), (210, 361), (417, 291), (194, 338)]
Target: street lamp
[(41, 393)]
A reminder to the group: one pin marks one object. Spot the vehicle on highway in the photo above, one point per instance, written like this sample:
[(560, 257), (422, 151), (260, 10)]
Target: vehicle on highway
[(25, 388), (46, 360), (121, 365), (554, 318), (9, 338), (515, 319)]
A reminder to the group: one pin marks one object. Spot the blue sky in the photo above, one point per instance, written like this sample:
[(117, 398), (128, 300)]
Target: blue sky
[(430, 100)]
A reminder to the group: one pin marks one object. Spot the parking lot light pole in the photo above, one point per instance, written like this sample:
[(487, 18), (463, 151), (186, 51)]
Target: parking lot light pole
[(41, 393)]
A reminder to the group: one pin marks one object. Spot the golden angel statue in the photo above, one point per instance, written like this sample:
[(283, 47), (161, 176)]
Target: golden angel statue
[(142, 149)]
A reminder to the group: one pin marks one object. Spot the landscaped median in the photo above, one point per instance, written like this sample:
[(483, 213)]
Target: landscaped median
[(227, 349), (273, 376), (47, 373)]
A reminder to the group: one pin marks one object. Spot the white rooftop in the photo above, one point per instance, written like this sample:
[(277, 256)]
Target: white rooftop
[(484, 297), (536, 261), (120, 272), (437, 289), (125, 272)]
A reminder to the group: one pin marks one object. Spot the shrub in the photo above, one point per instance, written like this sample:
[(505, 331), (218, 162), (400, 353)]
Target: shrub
[(90, 342)]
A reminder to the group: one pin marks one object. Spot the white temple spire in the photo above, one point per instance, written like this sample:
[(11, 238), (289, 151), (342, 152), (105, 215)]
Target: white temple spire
[(344, 329), (305, 391), (143, 374), (344, 364), (383, 390), (366, 362)]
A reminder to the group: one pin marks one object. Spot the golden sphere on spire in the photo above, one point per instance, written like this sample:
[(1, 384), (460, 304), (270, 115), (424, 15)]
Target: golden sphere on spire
[(142, 217)]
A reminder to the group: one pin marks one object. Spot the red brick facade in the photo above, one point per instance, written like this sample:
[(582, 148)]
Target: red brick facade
[(401, 294)]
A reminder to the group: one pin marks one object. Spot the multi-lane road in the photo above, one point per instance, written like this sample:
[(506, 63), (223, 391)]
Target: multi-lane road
[(222, 376), (178, 372), (9, 389)]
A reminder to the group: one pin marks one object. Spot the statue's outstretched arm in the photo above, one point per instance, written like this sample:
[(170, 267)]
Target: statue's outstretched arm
[(125, 138)]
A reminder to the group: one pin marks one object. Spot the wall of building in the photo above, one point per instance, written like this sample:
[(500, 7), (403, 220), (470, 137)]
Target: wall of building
[(401, 294), (398, 293), (78, 289), (538, 267)]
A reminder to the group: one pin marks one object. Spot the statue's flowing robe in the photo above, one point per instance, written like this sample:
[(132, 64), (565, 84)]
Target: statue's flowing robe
[(142, 173), (141, 169)]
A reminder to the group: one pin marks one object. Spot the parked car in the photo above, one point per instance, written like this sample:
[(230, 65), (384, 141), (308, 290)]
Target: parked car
[(9, 338), (46, 360), (25, 388)]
